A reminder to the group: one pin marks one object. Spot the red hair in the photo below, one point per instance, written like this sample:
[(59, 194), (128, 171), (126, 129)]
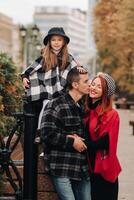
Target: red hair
[(105, 102)]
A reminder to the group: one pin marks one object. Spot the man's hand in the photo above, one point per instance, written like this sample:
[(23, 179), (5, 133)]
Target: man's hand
[(79, 144), (74, 136)]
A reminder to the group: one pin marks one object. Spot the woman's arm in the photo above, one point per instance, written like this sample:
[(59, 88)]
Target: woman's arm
[(100, 144)]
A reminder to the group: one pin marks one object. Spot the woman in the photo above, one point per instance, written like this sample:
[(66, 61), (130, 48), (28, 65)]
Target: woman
[(46, 77), (102, 128)]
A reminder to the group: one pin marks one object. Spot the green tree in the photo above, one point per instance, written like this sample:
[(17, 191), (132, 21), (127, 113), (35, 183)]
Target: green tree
[(114, 36), (10, 93)]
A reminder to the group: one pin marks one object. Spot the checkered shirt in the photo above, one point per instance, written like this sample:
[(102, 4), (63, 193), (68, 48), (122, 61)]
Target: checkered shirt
[(60, 118), (46, 85)]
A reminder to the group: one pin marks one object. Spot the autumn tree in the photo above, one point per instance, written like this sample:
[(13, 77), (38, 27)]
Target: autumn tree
[(114, 37)]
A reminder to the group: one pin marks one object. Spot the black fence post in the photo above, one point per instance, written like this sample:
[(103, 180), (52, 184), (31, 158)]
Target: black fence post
[(30, 154)]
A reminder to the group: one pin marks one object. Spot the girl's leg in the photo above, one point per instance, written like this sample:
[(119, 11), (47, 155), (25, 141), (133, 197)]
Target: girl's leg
[(41, 113)]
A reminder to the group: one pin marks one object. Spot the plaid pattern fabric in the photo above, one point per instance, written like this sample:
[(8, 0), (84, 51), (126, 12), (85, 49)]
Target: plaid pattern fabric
[(60, 118), (46, 85)]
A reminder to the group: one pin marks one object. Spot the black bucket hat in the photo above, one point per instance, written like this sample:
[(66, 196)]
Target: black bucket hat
[(56, 31)]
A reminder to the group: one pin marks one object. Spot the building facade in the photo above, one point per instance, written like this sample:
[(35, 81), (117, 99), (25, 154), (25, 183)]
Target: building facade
[(9, 37), (74, 22), (92, 51)]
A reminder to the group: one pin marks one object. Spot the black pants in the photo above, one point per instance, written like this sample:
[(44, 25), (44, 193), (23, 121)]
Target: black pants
[(102, 189), (33, 107)]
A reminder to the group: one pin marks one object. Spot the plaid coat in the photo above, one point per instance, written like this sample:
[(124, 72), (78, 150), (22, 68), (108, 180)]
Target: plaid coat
[(60, 118), (46, 85)]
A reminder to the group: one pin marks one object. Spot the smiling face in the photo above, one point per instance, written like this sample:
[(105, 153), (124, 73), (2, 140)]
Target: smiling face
[(96, 89), (57, 42)]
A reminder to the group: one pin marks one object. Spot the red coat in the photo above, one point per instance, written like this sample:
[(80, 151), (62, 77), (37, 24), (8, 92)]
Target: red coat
[(108, 166)]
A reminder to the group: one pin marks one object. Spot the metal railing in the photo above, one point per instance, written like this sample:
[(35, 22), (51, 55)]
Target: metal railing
[(7, 165), (26, 125)]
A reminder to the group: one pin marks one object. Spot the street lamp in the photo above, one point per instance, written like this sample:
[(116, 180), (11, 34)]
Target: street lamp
[(35, 30), (23, 31), (30, 38), (31, 47)]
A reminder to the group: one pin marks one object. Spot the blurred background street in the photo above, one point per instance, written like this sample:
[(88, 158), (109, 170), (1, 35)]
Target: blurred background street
[(126, 156)]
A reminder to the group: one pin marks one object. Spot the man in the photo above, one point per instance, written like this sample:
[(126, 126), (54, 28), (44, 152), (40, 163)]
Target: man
[(65, 155)]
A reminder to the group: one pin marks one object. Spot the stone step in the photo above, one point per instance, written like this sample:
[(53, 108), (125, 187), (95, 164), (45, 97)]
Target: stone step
[(17, 154), (7, 198), (45, 187), (47, 196), (7, 189)]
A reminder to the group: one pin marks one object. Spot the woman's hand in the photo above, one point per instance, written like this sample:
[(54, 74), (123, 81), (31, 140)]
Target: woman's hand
[(26, 83)]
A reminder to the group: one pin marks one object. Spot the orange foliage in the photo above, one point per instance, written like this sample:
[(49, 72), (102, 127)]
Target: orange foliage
[(114, 36)]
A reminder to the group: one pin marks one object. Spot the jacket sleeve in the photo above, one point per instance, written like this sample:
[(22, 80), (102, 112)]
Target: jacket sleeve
[(72, 61), (51, 130), (100, 144), (32, 68), (110, 124), (113, 133)]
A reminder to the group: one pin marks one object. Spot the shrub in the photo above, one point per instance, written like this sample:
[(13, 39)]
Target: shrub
[(10, 93)]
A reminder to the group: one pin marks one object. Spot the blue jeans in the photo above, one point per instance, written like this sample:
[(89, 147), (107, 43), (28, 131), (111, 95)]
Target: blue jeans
[(68, 189)]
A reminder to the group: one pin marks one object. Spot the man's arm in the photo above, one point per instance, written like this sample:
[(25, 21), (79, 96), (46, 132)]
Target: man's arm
[(52, 134), (51, 130)]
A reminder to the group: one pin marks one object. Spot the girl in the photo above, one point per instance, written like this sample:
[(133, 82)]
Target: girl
[(45, 79), (102, 125)]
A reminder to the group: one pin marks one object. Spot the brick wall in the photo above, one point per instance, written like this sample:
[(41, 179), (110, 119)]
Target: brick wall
[(45, 187)]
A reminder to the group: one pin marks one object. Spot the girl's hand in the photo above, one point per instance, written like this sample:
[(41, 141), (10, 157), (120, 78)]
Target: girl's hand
[(81, 70), (26, 83)]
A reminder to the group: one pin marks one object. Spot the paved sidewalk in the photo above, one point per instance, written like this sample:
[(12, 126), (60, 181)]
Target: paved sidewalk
[(126, 156)]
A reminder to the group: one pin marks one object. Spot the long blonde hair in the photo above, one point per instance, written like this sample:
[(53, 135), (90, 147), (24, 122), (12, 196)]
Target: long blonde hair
[(50, 58)]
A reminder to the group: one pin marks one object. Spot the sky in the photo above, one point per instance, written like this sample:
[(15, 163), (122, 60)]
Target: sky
[(21, 11)]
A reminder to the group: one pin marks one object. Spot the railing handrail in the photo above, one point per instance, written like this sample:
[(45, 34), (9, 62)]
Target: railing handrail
[(6, 162)]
